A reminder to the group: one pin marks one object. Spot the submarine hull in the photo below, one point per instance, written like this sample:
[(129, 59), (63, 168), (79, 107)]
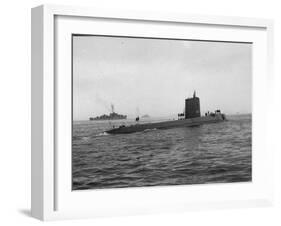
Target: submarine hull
[(168, 124)]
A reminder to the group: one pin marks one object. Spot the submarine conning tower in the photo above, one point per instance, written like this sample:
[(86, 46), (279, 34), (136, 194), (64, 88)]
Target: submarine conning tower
[(192, 107)]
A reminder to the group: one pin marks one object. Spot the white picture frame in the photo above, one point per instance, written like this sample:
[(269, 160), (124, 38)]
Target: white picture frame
[(51, 197)]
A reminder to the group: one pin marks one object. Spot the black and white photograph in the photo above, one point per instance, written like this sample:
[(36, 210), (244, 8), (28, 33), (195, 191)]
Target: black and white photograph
[(160, 112)]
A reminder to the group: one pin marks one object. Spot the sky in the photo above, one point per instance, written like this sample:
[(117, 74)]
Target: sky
[(154, 76)]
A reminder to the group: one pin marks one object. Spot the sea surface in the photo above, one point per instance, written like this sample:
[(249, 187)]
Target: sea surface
[(210, 153)]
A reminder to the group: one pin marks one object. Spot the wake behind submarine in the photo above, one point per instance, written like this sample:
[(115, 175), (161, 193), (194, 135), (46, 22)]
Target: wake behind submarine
[(191, 117)]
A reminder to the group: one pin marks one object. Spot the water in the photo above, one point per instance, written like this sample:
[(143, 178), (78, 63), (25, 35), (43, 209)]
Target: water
[(211, 153)]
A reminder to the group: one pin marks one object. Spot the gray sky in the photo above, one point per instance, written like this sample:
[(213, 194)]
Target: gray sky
[(155, 76)]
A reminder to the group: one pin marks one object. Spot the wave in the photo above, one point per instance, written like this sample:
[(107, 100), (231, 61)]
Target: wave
[(147, 130), (101, 134)]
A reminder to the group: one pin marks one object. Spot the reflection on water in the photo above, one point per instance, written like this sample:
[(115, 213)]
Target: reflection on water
[(209, 153)]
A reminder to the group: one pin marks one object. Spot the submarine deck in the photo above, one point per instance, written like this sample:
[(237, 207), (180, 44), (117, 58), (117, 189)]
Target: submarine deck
[(167, 124)]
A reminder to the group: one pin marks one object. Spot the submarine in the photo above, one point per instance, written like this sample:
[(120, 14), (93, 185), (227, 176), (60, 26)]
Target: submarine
[(189, 118)]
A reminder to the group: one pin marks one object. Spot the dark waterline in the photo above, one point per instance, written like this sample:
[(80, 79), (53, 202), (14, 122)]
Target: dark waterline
[(211, 153)]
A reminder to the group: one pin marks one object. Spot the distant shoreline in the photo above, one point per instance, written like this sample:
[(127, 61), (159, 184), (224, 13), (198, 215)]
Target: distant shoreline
[(150, 118)]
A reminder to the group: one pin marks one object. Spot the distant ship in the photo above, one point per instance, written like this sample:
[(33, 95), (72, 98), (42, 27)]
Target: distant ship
[(112, 116), (189, 118)]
